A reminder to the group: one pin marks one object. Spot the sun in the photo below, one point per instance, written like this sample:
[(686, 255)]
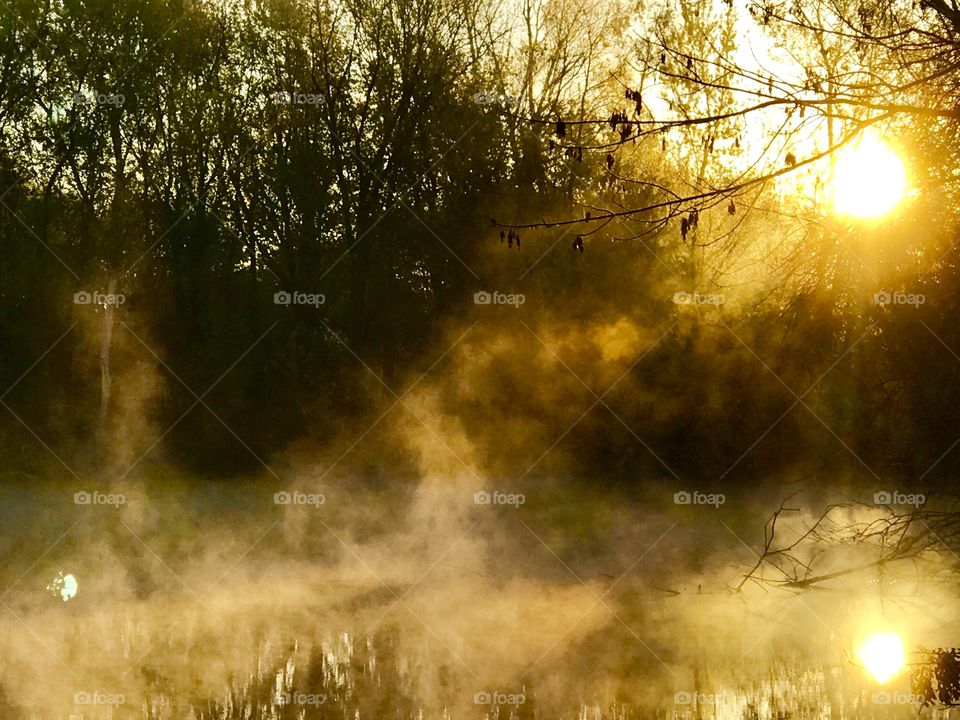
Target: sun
[(882, 654), (869, 179)]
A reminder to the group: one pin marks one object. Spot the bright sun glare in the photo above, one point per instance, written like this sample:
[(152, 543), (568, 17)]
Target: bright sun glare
[(882, 654), (869, 179)]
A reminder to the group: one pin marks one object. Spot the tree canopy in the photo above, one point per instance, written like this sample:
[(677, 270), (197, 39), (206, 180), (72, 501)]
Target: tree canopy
[(292, 196)]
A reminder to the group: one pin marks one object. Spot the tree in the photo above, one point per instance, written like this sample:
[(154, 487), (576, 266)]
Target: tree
[(769, 117)]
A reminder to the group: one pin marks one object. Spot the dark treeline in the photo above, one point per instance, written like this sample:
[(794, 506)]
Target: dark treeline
[(198, 159), (201, 160)]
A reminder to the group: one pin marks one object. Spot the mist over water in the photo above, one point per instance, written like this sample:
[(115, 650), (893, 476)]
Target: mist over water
[(467, 360), (446, 592), (448, 555)]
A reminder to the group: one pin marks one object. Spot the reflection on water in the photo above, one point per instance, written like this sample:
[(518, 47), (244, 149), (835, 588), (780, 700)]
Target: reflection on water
[(340, 678), (346, 677), (355, 679), (247, 669), (305, 620), (63, 586)]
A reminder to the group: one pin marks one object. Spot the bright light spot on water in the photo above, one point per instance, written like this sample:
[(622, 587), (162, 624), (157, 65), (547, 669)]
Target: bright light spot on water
[(64, 586), (882, 654)]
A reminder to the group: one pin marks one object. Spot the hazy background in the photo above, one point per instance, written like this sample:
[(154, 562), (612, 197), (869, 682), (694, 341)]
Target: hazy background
[(255, 248)]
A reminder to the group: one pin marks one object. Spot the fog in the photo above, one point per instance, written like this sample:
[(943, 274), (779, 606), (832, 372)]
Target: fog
[(327, 583), (467, 359)]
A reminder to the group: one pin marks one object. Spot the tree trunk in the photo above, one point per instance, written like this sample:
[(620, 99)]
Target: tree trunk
[(105, 340)]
